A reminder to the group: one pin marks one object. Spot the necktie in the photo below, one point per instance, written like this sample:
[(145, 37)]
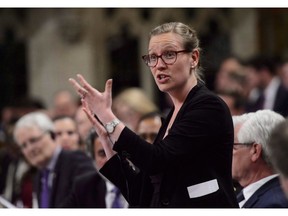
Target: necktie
[(240, 196), (44, 189), (116, 203)]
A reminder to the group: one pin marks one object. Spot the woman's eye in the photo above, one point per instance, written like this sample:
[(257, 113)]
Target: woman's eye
[(169, 54), (153, 57)]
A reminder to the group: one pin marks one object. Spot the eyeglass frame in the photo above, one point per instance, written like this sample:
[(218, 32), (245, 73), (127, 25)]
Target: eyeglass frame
[(32, 141), (160, 56), (243, 144)]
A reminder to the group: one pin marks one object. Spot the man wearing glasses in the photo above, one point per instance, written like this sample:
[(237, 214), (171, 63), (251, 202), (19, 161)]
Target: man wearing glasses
[(251, 166), (34, 134)]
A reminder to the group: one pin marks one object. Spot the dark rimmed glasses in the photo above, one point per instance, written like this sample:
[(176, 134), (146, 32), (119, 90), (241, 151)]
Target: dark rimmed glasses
[(168, 57), (242, 144)]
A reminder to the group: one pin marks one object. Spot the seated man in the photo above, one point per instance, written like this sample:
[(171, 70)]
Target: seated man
[(251, 166), (149, 125), (93, 190), (57, 168), (278, 148)]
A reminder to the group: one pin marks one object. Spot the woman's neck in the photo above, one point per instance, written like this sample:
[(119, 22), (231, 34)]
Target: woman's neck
[(179, 97)]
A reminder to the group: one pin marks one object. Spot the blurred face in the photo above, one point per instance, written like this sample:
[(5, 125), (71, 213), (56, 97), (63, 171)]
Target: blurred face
[(83, 123), (66, 134), (148, 128), (37, 146), (100, 156), (64, 104), (252, 77), (222, 78), (127, 115), (175, 77)]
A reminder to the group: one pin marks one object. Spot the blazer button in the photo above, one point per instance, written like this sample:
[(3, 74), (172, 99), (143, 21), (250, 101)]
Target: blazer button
[(165, 202)]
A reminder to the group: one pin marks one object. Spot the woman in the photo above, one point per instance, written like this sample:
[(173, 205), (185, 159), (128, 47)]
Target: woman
[(189, 164)]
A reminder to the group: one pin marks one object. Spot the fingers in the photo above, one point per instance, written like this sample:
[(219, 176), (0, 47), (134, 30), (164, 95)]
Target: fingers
[(108, 88), (85, 84), (98, 127), (79, 89)]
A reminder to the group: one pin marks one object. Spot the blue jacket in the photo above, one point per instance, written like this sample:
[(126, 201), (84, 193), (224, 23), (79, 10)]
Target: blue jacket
[(269, 195)]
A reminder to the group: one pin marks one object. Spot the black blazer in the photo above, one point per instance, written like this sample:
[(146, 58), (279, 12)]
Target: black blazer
[(69, 165), (89, 191), (195, 156), (269, 195)]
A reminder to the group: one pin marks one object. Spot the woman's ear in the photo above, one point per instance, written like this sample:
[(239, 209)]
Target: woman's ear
[(195, 58)]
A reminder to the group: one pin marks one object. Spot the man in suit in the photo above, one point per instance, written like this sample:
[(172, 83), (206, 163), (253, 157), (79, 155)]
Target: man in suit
[(93, 190), (57, 168), (272, 93), (277, 146), (251, 166)]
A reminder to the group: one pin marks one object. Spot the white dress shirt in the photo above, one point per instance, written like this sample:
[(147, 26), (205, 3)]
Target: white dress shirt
[(270, 93), (252, 188)]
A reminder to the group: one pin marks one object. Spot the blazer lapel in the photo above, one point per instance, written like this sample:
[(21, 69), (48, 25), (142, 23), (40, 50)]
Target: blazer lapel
[(255, 197)]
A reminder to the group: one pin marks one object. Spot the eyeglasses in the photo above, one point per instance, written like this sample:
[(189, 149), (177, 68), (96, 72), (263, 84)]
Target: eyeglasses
[(168, 57), (242, 144), (32, 141)]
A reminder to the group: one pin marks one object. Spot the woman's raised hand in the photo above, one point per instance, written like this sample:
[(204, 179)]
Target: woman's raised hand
[(99, 103)]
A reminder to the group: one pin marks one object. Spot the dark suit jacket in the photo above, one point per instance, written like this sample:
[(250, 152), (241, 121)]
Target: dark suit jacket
[(281, 101), (69, 165), (269, 195), (196, 155), (280, 104), (89, 191)]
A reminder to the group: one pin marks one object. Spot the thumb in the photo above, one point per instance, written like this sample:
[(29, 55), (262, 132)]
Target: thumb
[(108, 87)]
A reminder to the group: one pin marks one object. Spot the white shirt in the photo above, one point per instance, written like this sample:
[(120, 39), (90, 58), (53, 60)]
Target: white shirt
[(110, 196), (252, 188), (270, 93)]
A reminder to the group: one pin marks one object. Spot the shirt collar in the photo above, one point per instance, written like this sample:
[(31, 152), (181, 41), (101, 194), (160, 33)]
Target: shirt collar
[(252, 188)]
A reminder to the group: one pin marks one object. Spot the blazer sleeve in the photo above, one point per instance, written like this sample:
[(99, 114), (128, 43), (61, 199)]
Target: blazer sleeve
[(126, 177)]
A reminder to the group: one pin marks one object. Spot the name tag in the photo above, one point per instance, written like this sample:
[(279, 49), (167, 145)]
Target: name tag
[(203, 188)]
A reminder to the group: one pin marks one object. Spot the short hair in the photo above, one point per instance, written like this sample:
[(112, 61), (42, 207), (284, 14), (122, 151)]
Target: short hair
[(239, 100), (260, 62), (258, 128), (61, 117), (278, 148), (240, 119), (38, 119)]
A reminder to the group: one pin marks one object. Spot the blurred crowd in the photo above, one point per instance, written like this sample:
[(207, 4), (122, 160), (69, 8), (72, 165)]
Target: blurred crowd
[(69, 131), (249, 88)]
